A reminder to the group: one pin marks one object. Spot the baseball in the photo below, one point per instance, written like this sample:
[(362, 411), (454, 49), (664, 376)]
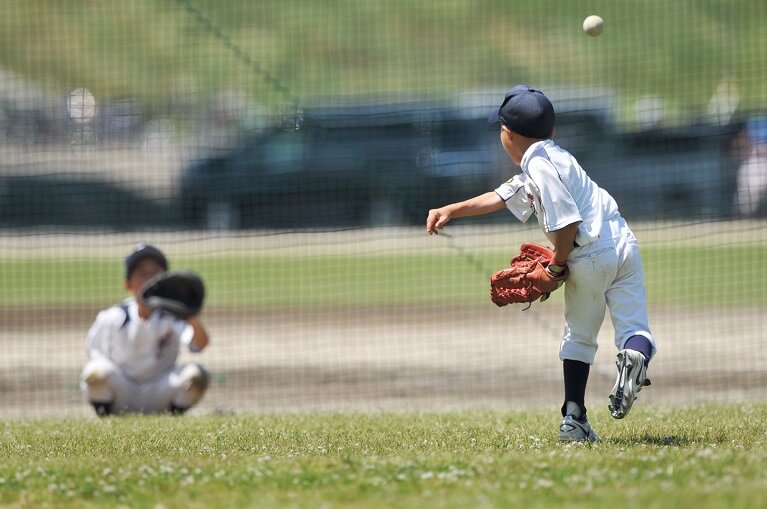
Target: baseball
[(593, 25)]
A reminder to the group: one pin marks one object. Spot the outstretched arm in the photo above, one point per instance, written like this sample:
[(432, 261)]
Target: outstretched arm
[(477, 206)]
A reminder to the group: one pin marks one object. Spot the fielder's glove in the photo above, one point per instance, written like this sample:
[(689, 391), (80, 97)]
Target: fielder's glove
[(180, 293), (528, 279)]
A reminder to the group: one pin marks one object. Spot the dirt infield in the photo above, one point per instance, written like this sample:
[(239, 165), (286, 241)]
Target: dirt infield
[(396, 358)]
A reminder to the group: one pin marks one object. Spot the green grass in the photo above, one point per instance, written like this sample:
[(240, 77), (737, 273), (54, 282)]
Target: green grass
[(677, 50), (658, 457), (674, 275)]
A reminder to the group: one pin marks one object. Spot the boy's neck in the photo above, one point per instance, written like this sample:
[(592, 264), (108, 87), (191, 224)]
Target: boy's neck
[(524, 144)]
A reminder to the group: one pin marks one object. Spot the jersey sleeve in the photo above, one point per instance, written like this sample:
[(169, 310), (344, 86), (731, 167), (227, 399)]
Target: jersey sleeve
[(558, 208), (99, 338), (515, 196)]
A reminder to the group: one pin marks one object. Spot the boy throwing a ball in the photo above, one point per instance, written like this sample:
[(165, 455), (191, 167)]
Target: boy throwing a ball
[(594, 251)]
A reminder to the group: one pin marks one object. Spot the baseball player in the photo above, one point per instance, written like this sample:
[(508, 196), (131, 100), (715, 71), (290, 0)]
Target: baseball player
[(751, 194), (133, 350), (593, 247)]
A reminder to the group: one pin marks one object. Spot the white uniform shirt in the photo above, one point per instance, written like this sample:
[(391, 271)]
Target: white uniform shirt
[(555, 188), (752, 181), (143, 349)]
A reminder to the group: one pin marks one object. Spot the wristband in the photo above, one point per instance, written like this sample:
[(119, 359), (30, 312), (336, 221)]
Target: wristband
[(557, 268)]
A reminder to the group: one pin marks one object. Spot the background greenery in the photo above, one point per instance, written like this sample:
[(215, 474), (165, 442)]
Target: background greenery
[(678, 50)]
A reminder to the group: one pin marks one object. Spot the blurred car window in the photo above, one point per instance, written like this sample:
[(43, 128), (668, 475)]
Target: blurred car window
[(283, 153)]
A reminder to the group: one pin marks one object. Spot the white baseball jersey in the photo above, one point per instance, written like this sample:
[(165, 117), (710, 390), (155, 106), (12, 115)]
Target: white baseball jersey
[(605, 261), (143, 349), (752, 181), (569, 194)]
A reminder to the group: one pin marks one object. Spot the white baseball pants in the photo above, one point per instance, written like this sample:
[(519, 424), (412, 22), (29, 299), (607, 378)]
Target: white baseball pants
[(606, 273), (103, 381)]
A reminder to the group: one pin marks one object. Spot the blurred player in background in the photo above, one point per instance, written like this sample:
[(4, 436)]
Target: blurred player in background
[(751, 194), (133, 350), (593, 245)]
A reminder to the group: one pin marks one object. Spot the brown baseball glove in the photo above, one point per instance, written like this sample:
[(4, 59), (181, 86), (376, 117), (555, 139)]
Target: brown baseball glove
[(527, 280)]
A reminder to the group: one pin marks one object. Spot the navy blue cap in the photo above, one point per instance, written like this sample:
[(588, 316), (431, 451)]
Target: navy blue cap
[(525, 111), (141, 251)]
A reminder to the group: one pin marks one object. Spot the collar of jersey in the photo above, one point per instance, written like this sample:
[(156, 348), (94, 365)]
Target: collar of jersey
[(131, 307)]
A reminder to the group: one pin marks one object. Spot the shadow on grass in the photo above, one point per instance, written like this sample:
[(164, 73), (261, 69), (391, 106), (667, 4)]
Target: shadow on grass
[(664, 440)]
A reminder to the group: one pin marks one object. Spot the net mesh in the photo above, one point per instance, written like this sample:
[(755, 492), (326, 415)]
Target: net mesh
[(289, 153)]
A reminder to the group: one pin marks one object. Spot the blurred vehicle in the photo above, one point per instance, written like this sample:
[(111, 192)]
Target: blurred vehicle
[(389, 164), (350, 166), (31, 201), (656, 173), (669, 173)]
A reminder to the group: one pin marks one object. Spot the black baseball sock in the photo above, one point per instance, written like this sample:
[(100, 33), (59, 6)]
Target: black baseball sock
[(177, 410), (102, 409), (576, 377)]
